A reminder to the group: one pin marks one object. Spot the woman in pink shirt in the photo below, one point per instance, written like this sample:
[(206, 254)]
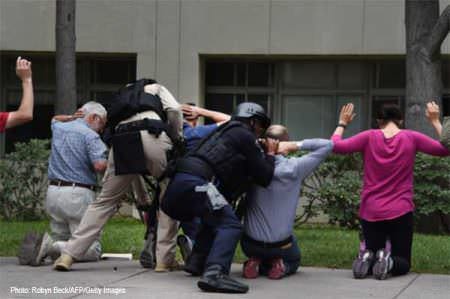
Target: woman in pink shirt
[(386, 209)]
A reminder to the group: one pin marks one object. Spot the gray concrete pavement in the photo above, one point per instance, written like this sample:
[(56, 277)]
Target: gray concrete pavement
[(126, 279)]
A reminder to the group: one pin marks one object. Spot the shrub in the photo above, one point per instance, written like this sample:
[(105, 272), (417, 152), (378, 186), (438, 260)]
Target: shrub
[(23, 181), (334, 190)]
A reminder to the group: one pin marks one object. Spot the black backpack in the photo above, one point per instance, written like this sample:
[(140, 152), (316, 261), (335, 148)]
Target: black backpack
[(128, 101)]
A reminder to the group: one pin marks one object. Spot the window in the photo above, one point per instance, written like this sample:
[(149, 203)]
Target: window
[(98, 76), (230, 83), (307, 94)]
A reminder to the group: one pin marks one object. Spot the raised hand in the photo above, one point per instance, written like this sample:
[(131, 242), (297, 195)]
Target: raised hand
[(346, 115), (23, 69), (432, 112)]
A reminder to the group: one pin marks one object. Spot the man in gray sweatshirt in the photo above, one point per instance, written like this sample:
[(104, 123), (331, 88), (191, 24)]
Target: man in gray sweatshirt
[(268, 238)]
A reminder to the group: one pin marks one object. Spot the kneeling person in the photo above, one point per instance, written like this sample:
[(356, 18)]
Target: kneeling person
[(268, 238), (77, 154)]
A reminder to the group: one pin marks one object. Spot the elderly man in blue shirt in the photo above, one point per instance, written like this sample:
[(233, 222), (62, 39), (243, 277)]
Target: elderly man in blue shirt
[(77, 154)]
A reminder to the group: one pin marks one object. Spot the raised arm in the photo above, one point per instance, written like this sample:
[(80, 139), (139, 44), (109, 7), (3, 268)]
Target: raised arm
[(65, 118), (195, 112), (433, 114), (318, 149), (350, 145), (25, 112)]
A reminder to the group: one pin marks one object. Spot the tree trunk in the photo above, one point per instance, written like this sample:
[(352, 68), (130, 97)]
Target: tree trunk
[(66, 88), (423, 75)]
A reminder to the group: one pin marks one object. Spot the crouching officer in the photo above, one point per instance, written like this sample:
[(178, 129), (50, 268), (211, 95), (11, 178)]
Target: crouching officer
[(141, 117), (207, 180)]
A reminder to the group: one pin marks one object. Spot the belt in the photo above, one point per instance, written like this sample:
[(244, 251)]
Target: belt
[(268, 244), (153, 126), (60, 183)]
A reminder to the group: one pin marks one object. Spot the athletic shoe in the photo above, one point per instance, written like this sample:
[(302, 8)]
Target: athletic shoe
[(185, 244), (147, 258), (44, 247), (361, 265), (29, 249), (251, 268), (215, 280), (278, 269), (63, 263), (383, 264), (162, 268)]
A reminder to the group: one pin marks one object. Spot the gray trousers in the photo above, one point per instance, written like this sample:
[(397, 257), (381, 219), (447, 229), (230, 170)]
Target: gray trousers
[(66, 206)]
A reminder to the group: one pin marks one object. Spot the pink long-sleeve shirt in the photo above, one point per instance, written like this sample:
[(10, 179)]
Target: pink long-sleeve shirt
[(387, 191)]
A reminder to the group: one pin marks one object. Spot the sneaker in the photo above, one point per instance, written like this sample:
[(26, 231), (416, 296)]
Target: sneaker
[(383, 264), (29, 249), (215, 280), (185, 244), (44, 247), (63, 263), (251, 268), (278, 269), (162, 268), (361, 265), (147, 258)]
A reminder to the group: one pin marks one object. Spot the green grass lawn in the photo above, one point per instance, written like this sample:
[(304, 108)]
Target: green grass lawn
[(321, 246)]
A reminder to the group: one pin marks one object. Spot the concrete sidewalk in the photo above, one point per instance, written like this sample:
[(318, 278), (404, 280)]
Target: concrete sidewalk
[(126, 279)]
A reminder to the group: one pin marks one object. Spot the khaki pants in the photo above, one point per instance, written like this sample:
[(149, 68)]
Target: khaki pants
[(113, 191), (66, 207)]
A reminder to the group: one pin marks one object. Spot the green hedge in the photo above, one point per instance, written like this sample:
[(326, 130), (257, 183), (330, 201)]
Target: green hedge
[(23, 181), (333, 189)]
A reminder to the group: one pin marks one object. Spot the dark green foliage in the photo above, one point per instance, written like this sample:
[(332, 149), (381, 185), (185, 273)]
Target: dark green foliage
[(23, 181)]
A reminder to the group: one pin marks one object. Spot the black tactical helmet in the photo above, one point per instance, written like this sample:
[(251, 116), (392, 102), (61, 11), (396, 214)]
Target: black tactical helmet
[(252, 110)]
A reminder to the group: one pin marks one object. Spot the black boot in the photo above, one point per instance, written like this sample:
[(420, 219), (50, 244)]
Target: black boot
[(147, 258), (215, 280), (195, 264)]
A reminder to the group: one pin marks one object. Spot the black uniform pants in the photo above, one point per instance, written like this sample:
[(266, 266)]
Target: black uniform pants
[(219, 231), (400, 232)]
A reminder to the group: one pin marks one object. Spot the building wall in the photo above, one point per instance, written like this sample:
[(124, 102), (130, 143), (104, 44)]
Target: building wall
[(169, 36)]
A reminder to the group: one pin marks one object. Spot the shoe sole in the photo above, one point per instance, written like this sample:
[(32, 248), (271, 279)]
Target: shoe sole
[(379, 269), (360, 268), (37, 261), (146, 260), (206, 287), (250, 272), (61, 268)]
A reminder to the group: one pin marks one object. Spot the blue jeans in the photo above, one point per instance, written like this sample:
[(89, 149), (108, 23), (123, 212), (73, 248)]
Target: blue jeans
[(290, 254), (220, 230)]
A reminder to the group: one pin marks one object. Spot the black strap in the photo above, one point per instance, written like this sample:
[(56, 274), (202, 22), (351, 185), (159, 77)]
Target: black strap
[(153, 126), (267, 244)]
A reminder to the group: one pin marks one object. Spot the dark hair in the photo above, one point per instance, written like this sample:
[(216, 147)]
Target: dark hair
[(389, 113)]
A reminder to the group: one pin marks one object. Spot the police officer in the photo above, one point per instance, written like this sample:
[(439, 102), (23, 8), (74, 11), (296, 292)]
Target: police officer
[(207, 180), (141, 117)]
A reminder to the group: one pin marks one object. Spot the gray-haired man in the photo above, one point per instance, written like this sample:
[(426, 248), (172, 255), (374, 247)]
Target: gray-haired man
[(77, 154)]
